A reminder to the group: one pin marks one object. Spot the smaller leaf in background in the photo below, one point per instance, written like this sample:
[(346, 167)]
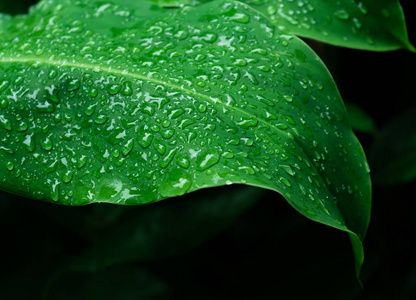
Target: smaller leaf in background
[(126, 282), (166, 228), (16, 6), (359, 119), (3, 20), (376, 25), (392, 157)]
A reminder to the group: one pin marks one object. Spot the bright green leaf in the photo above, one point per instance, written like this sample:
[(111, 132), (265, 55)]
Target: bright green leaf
[(129, 103)]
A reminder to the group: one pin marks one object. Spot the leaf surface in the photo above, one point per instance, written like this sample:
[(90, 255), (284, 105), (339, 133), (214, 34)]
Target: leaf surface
[(124, 102)]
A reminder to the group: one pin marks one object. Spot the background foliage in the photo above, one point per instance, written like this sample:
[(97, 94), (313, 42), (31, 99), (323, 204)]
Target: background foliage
[(270, 250)]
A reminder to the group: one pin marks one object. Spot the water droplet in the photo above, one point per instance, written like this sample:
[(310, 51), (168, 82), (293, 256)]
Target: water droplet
[(113, 89), (288, 98), (207, 159), (127, 147), (146, 140), (100, 119), (73, 85), (288, 169), (82, 161), (4, 85), (285, 181), (357, 23), (168, 133), (93, 92), (46, 144), (168, 158), (175, 184), (10, 165), (247, 169), (183, 161), (227, 155), (5, 123), (342, 14), (362, 8), (159, 146), (29, 142), (67, 176), (240, 18)]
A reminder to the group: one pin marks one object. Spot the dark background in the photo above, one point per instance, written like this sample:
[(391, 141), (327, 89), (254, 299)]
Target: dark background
[(269, 252)]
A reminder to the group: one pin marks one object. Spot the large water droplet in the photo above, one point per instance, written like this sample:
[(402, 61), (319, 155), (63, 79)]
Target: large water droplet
[(207, 159)]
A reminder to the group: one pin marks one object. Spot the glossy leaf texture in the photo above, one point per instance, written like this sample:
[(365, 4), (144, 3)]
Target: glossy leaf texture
[(124, 102), (377, 25)]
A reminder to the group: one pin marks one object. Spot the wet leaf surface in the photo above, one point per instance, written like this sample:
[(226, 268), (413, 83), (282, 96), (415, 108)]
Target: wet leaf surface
[(130, 103)]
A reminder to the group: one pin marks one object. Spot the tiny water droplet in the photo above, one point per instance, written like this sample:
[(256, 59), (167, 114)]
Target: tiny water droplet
[(342, 14), (10, 165)]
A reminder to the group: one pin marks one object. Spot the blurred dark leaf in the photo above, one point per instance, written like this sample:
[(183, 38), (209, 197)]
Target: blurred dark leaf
[(166, 228), (359, 119), (129, 282), (392, 157), (16, 6)]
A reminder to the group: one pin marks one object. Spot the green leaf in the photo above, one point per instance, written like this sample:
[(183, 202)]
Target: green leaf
[(128, 103), (369, 24), (393, 155), (359, 119)]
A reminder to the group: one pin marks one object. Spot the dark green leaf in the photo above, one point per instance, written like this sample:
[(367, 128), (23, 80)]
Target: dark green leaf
[(128, 103), (359, 119), (166, 229), (376, 25), (130, 282), (393, 155), (16, 6)]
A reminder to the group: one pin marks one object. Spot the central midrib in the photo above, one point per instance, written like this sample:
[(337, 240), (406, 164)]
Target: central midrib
[(145, 78), (88, 66), (142, 77)]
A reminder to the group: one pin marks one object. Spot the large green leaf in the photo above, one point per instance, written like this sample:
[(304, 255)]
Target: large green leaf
[(368, 24), (124, 102)]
